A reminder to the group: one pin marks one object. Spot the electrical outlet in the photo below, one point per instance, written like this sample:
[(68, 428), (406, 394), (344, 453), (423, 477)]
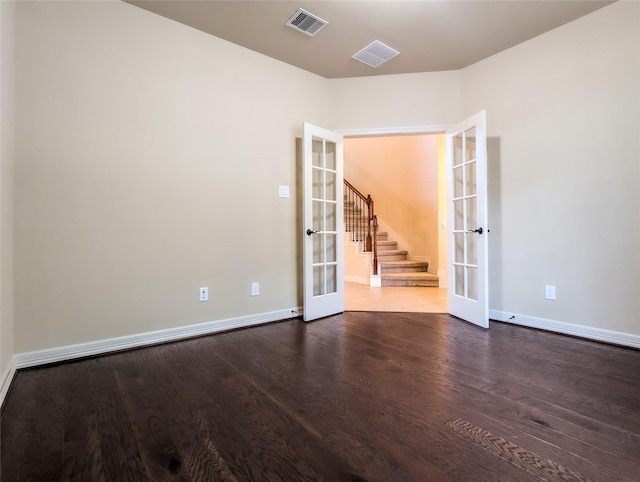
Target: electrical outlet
[(204, 294), (255, 289), (550, 292)]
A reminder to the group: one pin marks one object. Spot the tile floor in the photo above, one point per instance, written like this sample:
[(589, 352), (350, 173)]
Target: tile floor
[(359, 297)]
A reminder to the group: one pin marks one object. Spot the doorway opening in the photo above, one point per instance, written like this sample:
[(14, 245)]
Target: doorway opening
[(466, 200), (406, 176)]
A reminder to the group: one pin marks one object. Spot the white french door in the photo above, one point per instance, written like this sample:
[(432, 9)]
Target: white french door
[(323, 266), (467, 220)]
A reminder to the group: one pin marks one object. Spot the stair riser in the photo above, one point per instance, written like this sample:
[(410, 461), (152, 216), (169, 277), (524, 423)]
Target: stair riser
[(417, 283), (411, 269), (390, 257)]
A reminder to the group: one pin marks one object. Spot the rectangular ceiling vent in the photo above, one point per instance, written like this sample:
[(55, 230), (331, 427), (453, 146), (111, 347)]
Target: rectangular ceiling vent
[(375, 54), (306, 22)]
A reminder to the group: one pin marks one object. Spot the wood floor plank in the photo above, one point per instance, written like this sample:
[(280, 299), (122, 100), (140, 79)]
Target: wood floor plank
[(15, 419), (199, 457), (261, 426), (514, 417), (120, 453), (82, 455), (354, 397), (555, 382), (338, 389), (45, 468), (515, 455)]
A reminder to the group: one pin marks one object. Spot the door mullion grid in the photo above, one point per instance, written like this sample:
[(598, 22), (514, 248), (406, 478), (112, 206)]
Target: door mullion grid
[(461, 198), (465, 197), (464, 213), (465, 226), (324, 216), (324, 232)]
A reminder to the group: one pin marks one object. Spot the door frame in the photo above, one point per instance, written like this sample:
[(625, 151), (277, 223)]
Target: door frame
[(406, 130), (429, 129)]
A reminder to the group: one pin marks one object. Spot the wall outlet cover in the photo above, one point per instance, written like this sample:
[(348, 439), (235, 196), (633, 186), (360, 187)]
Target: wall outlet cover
[(204, 294), (550, 292), (283, 191)]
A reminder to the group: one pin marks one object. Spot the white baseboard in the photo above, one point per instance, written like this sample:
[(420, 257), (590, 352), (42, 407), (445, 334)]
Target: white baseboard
[(70, 352), (7, 378), (589, 332)]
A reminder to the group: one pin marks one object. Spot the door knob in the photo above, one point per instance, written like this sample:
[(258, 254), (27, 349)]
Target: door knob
[(310, 232), (479, 230)]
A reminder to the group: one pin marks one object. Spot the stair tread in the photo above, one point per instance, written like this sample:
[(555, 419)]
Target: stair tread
[(410, 275), (403, 263), (385, 244), (392, 252)]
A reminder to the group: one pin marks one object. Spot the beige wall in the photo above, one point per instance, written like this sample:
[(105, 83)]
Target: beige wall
[(563, 115), (7, 110), (401, 174), (396, 100), (149, 156)]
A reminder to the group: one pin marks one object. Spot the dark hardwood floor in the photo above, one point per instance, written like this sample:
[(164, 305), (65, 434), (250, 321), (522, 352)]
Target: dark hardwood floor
[(355, 397)]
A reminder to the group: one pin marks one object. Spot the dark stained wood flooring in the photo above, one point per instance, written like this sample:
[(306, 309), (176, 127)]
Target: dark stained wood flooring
[(354, 397)]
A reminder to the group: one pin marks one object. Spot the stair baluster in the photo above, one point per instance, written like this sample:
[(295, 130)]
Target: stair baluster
[(362, 229)]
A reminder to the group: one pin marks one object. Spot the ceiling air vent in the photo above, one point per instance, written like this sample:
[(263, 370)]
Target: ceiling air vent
[(374, 54), (306, 22)]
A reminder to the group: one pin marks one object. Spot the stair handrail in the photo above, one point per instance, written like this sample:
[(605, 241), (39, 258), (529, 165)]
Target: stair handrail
[(353, 226)]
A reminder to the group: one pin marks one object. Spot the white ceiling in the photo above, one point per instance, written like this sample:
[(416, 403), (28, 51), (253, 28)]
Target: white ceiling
[(431, 35)]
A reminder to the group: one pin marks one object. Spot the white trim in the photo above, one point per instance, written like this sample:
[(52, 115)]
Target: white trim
[(598, 334), (391, 131), (7, 378), (69, 352), (376, 280)]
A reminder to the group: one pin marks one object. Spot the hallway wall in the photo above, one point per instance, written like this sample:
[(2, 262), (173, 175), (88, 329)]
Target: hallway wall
[(401, 174)]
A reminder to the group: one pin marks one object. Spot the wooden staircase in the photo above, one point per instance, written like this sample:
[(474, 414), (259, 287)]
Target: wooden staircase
[(395, 268)]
